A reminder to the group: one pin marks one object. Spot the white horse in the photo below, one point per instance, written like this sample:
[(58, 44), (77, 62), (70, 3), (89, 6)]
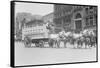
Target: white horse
[(54, 40), (64, 37), (88, 32), (68, 36)]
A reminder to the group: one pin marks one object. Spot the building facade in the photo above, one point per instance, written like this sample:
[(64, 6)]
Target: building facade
[(84, 17), (62, 17), (74, 18), (48, 18)]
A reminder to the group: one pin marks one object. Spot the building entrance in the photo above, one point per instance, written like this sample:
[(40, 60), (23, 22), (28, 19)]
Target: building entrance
[(78, 25)]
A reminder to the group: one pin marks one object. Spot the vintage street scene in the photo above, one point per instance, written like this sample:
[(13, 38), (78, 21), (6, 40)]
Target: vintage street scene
[(54, 33)]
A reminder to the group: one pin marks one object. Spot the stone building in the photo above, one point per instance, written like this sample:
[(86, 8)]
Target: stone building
[(74, 18), (84, 17)]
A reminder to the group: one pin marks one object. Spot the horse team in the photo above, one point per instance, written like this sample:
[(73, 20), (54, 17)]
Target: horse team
[(86, 37)]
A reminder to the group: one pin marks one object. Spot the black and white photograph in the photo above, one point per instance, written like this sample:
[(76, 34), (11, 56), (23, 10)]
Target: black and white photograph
[(54, 33)]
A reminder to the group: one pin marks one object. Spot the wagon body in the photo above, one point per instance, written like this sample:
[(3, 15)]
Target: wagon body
[(36, 34)]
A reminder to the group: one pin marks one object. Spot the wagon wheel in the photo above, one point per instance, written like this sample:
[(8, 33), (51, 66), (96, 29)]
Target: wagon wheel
[(41, 43), (27, 42), (37, 44), (51, 42)]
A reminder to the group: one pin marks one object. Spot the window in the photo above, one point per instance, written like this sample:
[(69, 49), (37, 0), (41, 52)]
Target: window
[(87, 10), (78, 24), (95, 20), (91, 7), (91, 20), (87, 22), (91, 12), (78, 15), (91, 17)]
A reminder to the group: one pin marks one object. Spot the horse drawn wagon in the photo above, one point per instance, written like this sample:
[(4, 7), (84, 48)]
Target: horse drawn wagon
[(41, 34), (38, 34)]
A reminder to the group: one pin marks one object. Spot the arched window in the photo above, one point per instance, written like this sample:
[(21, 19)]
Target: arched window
[(78, 15)]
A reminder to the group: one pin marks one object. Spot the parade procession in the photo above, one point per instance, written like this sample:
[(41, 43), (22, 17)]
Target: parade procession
[(43, 33), (75, 25)]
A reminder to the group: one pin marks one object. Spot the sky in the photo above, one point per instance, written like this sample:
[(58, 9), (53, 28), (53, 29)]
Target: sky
[(34, 8)]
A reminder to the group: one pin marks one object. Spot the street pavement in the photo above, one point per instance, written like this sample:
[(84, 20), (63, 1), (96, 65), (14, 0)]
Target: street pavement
[(36, 56)]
